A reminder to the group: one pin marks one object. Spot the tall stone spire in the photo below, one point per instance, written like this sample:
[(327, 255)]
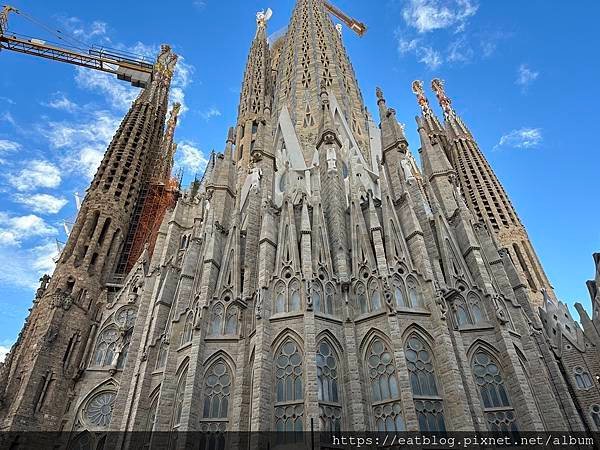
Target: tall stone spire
[(487, 199), (50, 351), (313, 54), (164, 163)]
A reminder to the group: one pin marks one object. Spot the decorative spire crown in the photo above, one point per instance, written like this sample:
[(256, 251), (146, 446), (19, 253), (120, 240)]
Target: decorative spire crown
[(438, 87), (417, 88)]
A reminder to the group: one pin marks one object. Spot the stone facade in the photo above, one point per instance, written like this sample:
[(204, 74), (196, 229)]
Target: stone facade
[(315, 273)]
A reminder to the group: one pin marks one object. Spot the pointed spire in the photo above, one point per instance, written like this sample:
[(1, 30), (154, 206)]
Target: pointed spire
[(452, 119), (162, 170), (229, 143), (392, 133), (417, 88), (327, 133), (305, 227), (435, 161)]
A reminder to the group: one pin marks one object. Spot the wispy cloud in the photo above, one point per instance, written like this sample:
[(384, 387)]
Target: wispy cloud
[(61, 102), (210, 113), (4, 350), (526, 76), (119, 94), (16, 229), (430, 15), (35, 174), (9, 146), (190, 157), (521, 138), (83, 141), (41, 203), (27, 264)]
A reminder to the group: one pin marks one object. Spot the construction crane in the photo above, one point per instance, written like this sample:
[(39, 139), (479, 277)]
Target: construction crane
[(356, 26), (126, 67)]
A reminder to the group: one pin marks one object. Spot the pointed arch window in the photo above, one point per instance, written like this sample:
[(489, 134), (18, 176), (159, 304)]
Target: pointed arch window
[(179, 395), (231, 322), (122, 359), (428, 402), (583, 380), (375, 296), (385, 393), (475, 309), (287, 300), (289, 391), (217, 391), (414, 293), (161, 359), (361, 298), (216, 319), (595, 413), (399, 295), (499, 414), (188, 329), (330, 408), (317, 296), (106, 347)]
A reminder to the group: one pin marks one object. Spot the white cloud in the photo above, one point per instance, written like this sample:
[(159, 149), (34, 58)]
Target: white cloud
[(430, 57), (14, 230), (60, 101), (526, 76), (120, 94), (425, 54), (83, 142), (521, 138), (36, 174), (430, 15), (200, 4), (84, 32), (4, 350), (22, 268), (459, 51), (190, 157), (42, 203), (210, 113), (9, 146)]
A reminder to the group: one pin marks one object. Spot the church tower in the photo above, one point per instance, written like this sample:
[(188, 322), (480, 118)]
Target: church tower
[(42, 367), (488, 200)]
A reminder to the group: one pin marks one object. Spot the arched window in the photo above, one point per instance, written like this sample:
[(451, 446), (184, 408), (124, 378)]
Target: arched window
[(399, 294), (289, 391), (122, 359), (583, 380), (290, 300), (330, 407), (316, 296), (295, 303), (414, 294), (428, 403), (499, 414), (280, 298), (231, 322), (385, 394), (106, 347), (461, 313), (595, 413), (179, 394), (474, 306), (216, 320), (375, 296), (161, 359), (188, 328), (361, 298), (217, 390), (329, 295)]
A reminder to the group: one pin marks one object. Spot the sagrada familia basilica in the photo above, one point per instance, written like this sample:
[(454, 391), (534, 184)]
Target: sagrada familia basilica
[(317, 274)]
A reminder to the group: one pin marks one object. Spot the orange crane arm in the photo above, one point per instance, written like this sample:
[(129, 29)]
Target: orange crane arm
[(138, 72), (356, 26)]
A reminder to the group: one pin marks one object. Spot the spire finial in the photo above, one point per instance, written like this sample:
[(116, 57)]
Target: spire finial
[(379, 94), (262, 17), (417, 88), (438, 87)]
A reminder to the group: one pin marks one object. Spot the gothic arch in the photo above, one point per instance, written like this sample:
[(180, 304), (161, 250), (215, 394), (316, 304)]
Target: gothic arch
[(219, 354), (480, 344), (332, 340), (369, 337), (108, 386), (283, 336), (415, 328)]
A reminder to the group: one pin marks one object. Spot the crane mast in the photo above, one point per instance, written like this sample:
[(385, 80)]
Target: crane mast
[(136, 71), (356, 26)]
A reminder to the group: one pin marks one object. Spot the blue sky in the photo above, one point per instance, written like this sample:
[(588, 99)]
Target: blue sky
[(523, 75)]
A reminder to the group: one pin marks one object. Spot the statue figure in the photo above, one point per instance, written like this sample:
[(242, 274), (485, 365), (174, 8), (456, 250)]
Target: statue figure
[(331, 160), (440, 301), (258, 303), (408, 174), (43, 285)]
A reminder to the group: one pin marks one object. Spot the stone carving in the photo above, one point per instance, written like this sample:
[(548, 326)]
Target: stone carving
[(500, 311), (258, 303), (43, 285), (61, 300), (440, 300), (407, 169)]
